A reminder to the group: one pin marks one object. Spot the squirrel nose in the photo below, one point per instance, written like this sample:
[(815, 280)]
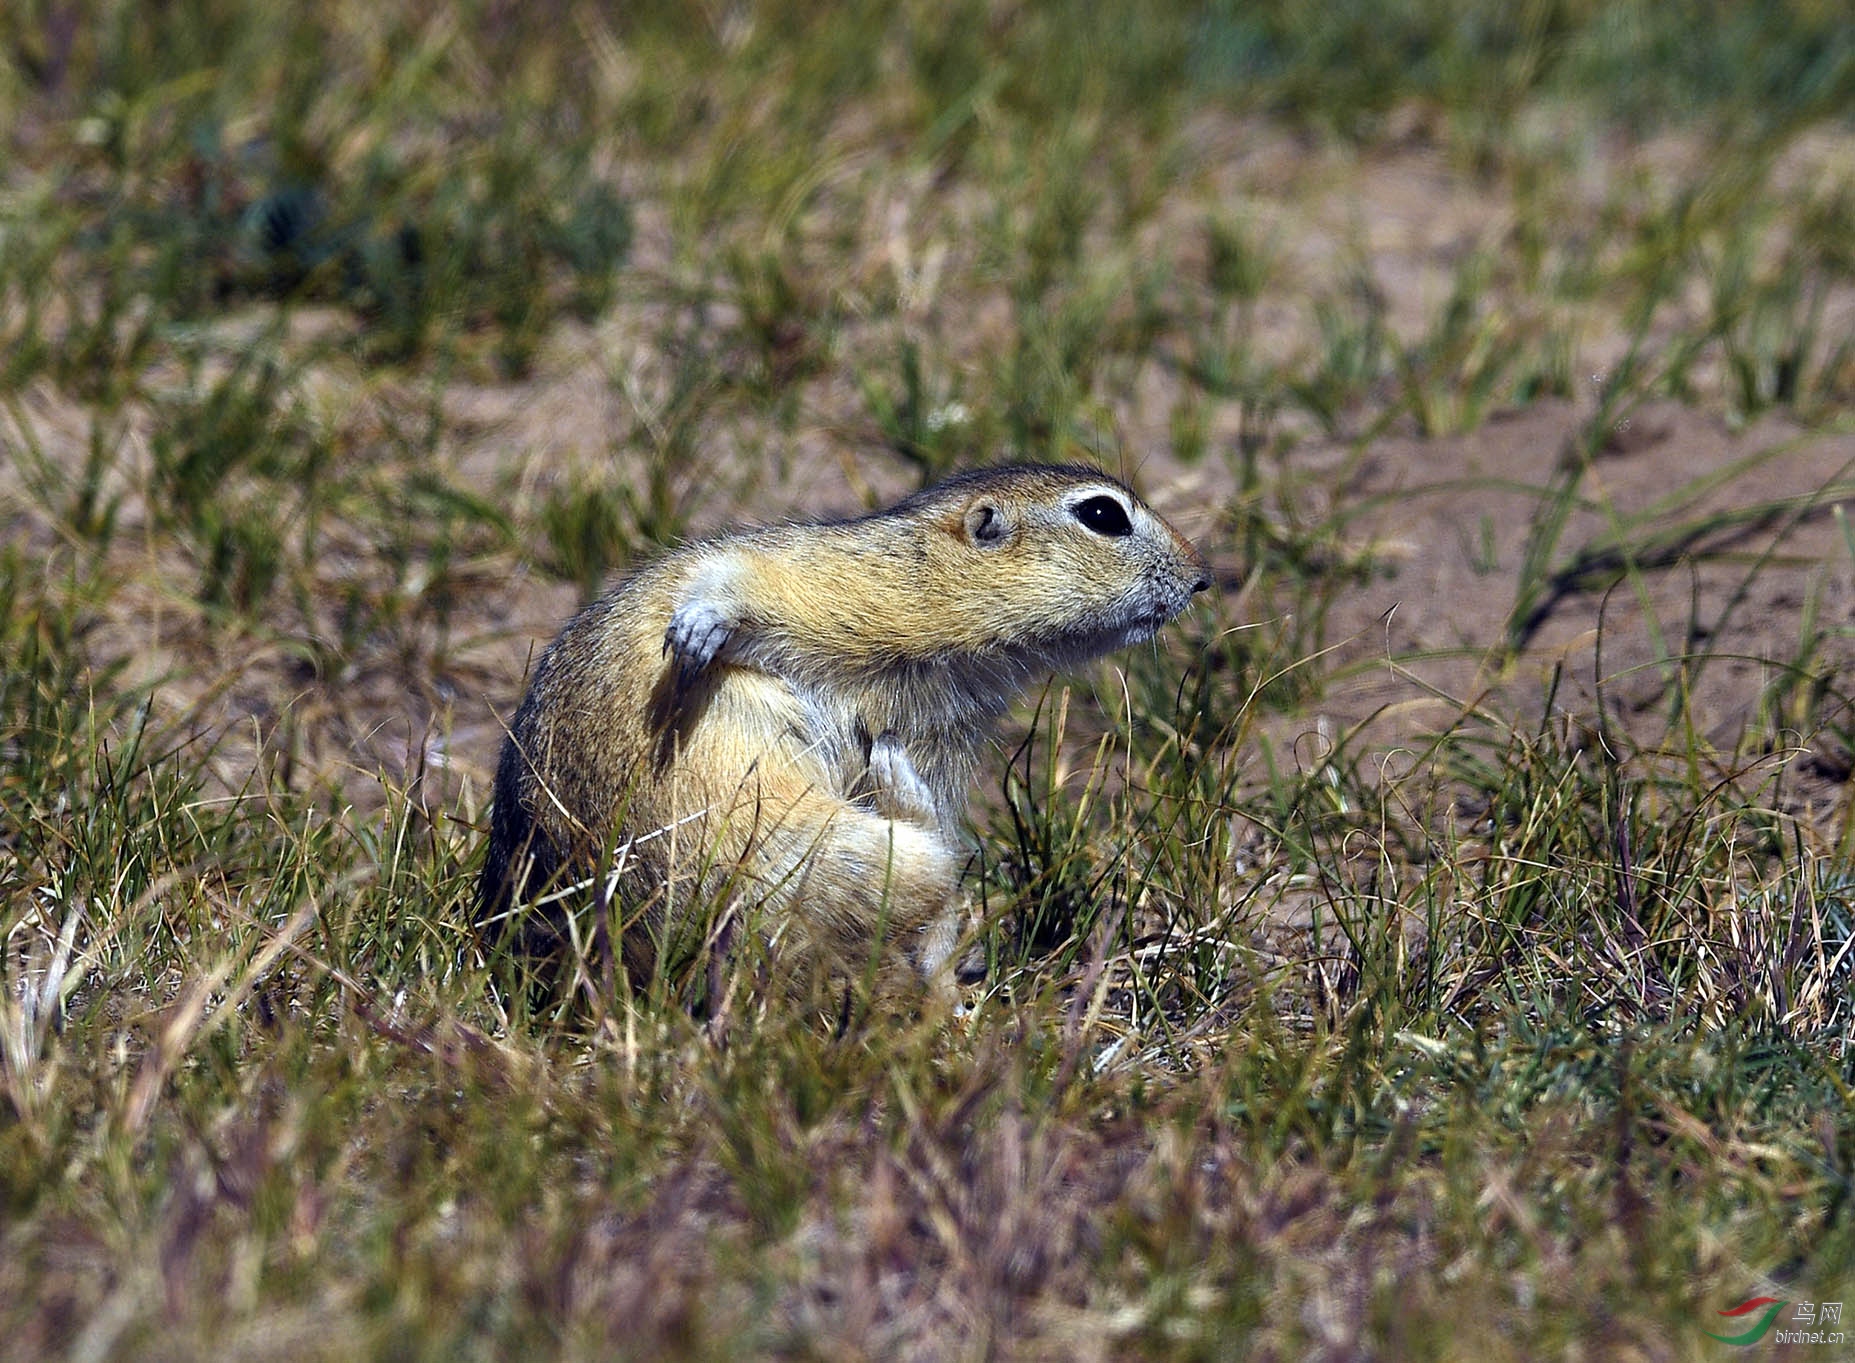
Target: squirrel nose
[(1203, 584)]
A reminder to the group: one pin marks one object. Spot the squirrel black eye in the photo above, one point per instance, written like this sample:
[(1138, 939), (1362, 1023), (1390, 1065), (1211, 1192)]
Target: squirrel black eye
[(1103, 515)]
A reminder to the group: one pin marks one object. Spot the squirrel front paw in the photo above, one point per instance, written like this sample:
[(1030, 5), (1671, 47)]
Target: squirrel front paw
[(899, 790), (697, 634)]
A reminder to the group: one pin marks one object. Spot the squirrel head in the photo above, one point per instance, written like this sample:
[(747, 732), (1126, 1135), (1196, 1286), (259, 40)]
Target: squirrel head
[(1056, 564)]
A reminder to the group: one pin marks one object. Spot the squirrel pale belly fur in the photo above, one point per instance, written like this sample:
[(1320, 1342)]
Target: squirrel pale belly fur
[(788, 720)]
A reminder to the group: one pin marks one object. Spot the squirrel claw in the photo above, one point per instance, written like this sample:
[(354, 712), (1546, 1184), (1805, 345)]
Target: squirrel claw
[(696, 635)]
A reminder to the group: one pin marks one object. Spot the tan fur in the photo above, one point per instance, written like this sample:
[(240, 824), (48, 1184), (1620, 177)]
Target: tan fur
[(788, 720)]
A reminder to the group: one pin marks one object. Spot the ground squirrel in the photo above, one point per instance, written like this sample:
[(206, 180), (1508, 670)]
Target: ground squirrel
[(787, 720)]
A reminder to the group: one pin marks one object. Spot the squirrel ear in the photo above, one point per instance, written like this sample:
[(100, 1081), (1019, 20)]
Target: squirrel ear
[(985, 524)]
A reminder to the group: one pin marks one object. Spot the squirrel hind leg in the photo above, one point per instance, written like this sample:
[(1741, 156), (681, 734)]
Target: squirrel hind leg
[(869, 884)]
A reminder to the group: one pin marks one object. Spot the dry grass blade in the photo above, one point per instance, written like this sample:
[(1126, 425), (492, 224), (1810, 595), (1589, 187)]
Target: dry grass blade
[(206, 1004)]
